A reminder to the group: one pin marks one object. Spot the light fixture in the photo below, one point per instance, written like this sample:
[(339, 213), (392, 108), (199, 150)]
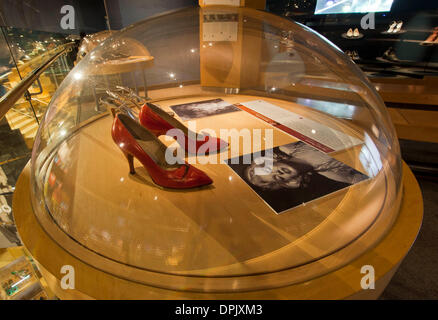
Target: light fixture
[(77, 75)]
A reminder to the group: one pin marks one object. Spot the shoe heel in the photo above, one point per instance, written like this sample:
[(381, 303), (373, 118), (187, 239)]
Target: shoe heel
[(130, 158)]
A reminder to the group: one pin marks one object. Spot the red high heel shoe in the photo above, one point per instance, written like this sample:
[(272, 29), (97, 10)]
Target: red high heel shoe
[(160, 122), (136, 141)]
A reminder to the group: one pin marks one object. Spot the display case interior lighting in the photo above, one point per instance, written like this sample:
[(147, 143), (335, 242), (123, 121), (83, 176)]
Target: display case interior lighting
[(352, 6), (22, 280), (370, 158), (77, 75)]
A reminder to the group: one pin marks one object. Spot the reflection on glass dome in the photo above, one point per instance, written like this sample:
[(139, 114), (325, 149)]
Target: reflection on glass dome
[(221, 142), (91, 41)]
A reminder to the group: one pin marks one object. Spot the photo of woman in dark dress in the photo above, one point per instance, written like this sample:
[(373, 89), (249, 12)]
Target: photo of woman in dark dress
[(201, 109), (294, 174)]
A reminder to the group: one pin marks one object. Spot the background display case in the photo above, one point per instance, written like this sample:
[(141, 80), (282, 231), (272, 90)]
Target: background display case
[(398, 43)]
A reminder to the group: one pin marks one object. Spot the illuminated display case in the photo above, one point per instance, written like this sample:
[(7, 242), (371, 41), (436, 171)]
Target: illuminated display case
[(318, 184)]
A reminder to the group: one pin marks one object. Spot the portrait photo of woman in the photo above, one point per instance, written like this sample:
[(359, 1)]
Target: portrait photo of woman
[(293, 174)]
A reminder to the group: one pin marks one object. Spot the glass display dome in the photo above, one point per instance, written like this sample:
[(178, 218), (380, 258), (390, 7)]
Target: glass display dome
[(302, 159), (91, 41)]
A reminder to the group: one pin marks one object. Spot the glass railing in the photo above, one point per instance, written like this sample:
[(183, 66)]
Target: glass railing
[(45, 68)]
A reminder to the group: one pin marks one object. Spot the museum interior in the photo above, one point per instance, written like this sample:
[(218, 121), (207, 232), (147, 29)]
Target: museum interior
[(304, 131)]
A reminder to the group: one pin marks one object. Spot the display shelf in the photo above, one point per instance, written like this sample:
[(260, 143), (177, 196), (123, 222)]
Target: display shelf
[(195, 221), (297, 238), (341, 283)]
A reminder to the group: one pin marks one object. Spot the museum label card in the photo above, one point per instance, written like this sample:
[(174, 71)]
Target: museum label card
[(314, 133)]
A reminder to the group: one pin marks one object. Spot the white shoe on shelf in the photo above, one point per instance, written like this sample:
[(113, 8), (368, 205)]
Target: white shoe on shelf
[(356, 33), (392, 27), (399, 27)]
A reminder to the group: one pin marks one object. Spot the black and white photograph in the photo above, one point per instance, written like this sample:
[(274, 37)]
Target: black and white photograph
[(202, 109), (294, 174)]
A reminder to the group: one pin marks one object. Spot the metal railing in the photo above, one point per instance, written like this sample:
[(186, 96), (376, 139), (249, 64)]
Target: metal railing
[(13, 95)]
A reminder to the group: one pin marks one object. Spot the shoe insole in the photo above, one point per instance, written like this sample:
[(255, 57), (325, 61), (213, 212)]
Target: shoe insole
[(148, 142), (172, 121)]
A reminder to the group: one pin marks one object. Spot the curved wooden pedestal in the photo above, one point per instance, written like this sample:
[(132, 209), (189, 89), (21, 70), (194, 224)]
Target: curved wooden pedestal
[(343, 283)]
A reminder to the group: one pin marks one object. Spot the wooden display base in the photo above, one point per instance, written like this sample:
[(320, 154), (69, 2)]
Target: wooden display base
[(342, 283)]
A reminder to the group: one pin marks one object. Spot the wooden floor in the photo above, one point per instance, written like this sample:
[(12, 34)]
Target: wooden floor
[(7, 255)]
